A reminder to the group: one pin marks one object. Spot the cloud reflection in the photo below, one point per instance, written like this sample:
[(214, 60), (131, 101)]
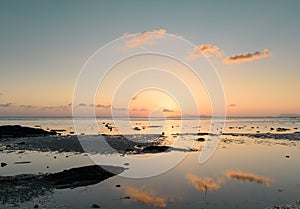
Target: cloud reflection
[(146, 197), (248, 177), (205, 184)]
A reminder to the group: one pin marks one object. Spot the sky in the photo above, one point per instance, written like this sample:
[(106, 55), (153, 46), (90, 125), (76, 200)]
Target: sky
[(251, 45)]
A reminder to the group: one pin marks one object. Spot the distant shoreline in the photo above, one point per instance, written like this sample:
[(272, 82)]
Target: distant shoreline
[(169, 118)]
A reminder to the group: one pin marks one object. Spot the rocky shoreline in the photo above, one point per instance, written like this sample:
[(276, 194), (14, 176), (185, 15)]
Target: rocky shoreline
[(9, 131), (18, 138)]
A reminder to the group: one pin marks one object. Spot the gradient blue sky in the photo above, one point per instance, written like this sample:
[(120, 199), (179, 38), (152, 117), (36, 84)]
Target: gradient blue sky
[(44, 44)]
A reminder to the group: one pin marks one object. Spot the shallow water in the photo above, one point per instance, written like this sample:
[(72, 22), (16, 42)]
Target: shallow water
[(244, 171)]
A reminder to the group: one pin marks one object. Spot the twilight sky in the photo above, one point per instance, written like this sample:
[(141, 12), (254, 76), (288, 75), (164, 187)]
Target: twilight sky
[(253, 46)]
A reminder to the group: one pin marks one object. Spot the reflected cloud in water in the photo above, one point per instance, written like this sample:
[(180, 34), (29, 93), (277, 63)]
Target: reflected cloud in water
[(248, 177), (205, 184), (146, 197)]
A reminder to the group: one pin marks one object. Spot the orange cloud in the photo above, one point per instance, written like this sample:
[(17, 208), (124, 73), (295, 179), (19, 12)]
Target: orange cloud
[(206, 50), (247, 57), (146, 197), (248, 177), (204, 184), (145, 38)]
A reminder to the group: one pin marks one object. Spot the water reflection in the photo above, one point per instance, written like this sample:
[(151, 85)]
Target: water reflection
[(248, 177), (209, 184), (146, 197), (25, 187), (204, 184)]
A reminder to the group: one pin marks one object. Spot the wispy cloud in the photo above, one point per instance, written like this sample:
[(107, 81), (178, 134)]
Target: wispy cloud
[(28, 106), (247, 57), (232, 105), (94, 105), (103, 106), (145, 38), (6, 104), (204, 184), (139, 109), (167, 110), (248, 177), (146, 197), (82, 105), (206, 50), (64, 107), (120, 108)]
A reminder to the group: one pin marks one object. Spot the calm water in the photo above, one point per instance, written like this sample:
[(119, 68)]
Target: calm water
[(243, 172)]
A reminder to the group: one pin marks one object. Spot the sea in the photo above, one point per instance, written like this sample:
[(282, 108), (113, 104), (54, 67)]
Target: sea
[(213, 163)]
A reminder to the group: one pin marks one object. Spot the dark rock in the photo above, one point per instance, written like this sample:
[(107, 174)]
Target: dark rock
[(21, 143), (123, 143), (118, 185), (58, 130), (3, 164), (46, 143), (82, 176), (271, 129), (155, 149), (35, 206), (136, 128), (200, 139), (25, 187), (202, 134), (22, 162), (129, 150), (282, 129), (94, 205), (287, 156), (20, 131)]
